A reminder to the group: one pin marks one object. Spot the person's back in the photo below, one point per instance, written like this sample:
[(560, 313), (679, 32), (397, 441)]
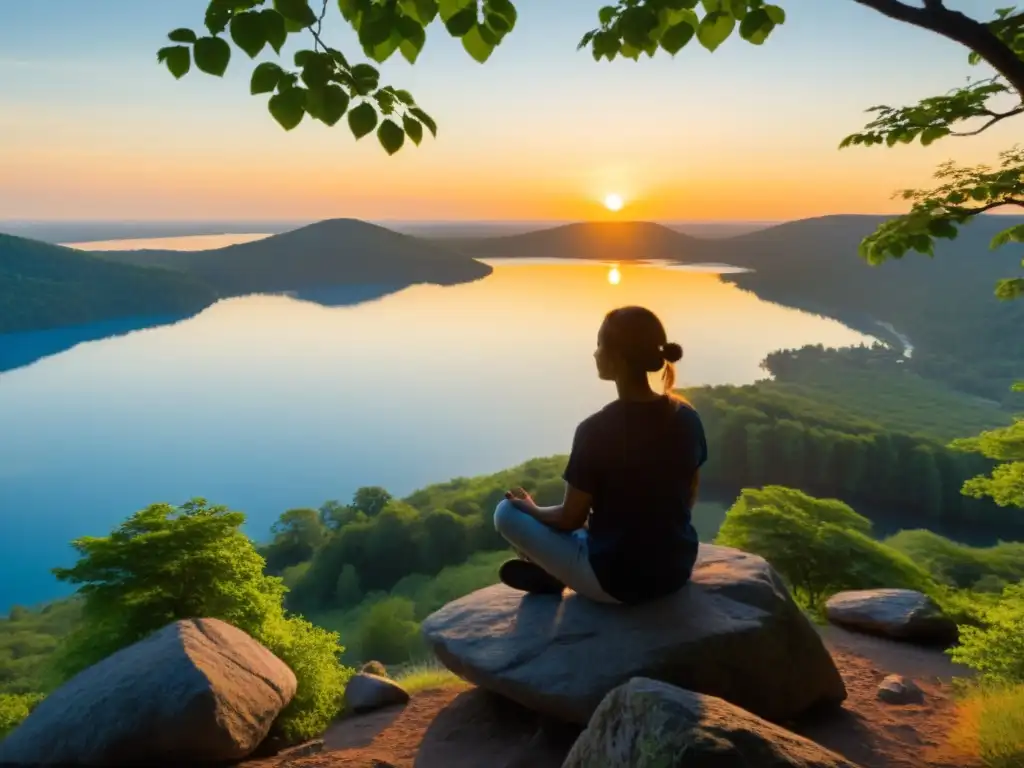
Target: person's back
[(640, 460), (623, 533)]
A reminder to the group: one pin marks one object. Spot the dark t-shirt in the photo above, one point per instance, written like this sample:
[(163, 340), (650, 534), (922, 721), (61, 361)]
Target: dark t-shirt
[(639, 460)]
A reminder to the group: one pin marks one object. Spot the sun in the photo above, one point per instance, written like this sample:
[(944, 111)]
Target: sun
[(613, 202), (614, 276)]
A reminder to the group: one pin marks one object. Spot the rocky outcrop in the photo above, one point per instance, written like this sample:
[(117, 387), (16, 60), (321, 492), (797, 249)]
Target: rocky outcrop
[(366, 692), (897, 689), (733, 632), (198, 690), (900, 614), (646, 722)]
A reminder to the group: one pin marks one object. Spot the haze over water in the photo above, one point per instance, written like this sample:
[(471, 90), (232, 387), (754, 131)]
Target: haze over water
[(266, 403)]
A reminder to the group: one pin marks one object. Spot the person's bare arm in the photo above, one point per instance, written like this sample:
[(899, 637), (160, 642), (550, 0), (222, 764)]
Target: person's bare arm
[(570, 515)]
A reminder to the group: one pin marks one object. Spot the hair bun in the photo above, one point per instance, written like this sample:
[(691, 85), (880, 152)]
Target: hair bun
[(672, 352)]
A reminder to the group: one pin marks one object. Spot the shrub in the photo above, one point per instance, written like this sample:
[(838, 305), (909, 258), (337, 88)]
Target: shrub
[(990, 724), (15, 707), (996, 649), (165, 564), (389, 632), (820, 546)]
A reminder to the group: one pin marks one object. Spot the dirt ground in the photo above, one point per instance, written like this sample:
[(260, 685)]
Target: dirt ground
[(469, 728)]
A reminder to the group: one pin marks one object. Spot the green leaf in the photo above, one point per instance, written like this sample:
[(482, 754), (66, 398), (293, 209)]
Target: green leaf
[(928, 135), (265, 78), (606, 14), (391, 136), (498, 23), (413, 129), (714, 29), (366, 78), (463, 21), (448, 8), (274, 31), (182, 35), (942, 228), (212, 55), (1011, 235), (382, 51), (756, 26), (248, 33), (177, 58), (335, 104), (362, 119), (476, 46), (677, 36), (404, 96), (296, 11), (422, 11), (503, 8), (776, 14), (288, 107), (413, 39), (424, 118), (738, 8)]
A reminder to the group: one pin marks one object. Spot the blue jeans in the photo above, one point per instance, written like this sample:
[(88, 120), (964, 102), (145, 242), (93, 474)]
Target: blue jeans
[(563, 554)]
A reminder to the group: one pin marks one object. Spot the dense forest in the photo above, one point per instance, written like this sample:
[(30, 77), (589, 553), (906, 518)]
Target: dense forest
[(961, 334), (48, 286)]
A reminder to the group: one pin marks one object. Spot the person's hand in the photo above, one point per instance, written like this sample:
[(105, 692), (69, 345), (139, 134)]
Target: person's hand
[(521, 500)]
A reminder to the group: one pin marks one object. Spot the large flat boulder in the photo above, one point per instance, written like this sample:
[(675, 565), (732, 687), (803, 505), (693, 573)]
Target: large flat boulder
[(900, 614), (198, 690), (645, 722), (733, 632)]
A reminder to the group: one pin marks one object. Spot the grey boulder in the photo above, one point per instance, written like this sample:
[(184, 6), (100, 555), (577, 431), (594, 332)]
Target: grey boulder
[(733, 632), (198, 690), (646, 722), (897, 689), (900, 614), (366, 692)]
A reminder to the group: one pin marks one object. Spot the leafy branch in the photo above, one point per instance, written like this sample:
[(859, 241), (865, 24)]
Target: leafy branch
[(939, 212), (934, 117), (326, 87), (633, 27)]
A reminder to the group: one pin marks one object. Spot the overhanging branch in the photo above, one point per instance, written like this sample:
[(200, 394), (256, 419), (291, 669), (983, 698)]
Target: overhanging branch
[(956, 26)]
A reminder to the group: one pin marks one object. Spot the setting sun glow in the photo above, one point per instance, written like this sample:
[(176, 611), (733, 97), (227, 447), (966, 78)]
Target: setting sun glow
[(614, 276), (613, 202)]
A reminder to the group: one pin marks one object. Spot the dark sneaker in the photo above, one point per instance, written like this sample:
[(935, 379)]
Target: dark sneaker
[(529, 577)]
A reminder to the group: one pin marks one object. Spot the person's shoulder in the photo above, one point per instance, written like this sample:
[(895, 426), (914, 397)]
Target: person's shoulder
[(687, 413), (598, 419)]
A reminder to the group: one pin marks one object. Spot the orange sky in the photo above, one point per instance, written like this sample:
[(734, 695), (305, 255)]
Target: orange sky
[(539, 132)]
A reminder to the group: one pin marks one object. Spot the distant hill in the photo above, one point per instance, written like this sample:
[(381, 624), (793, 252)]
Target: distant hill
[(328, 253), (49, 286), (961, 334), (601, 241)]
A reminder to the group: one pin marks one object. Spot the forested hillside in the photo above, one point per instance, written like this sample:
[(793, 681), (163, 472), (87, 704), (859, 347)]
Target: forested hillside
[(48, 286)]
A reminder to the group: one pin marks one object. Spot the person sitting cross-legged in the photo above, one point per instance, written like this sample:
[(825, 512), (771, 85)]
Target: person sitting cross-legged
[(623, 533)]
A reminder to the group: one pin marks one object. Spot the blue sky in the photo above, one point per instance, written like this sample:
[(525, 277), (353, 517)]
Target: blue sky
[(92, 127)]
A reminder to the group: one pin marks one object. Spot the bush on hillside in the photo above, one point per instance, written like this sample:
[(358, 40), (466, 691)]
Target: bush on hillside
[(984, 569), (820, 546), (996, 649), (389, 632), (164, 564), (15, 707)]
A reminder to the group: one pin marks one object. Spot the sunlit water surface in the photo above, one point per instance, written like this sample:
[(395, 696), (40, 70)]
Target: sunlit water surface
[(265, 403)]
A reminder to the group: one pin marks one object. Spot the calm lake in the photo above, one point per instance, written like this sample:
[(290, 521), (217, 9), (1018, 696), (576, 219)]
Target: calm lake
[(265, 403)]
